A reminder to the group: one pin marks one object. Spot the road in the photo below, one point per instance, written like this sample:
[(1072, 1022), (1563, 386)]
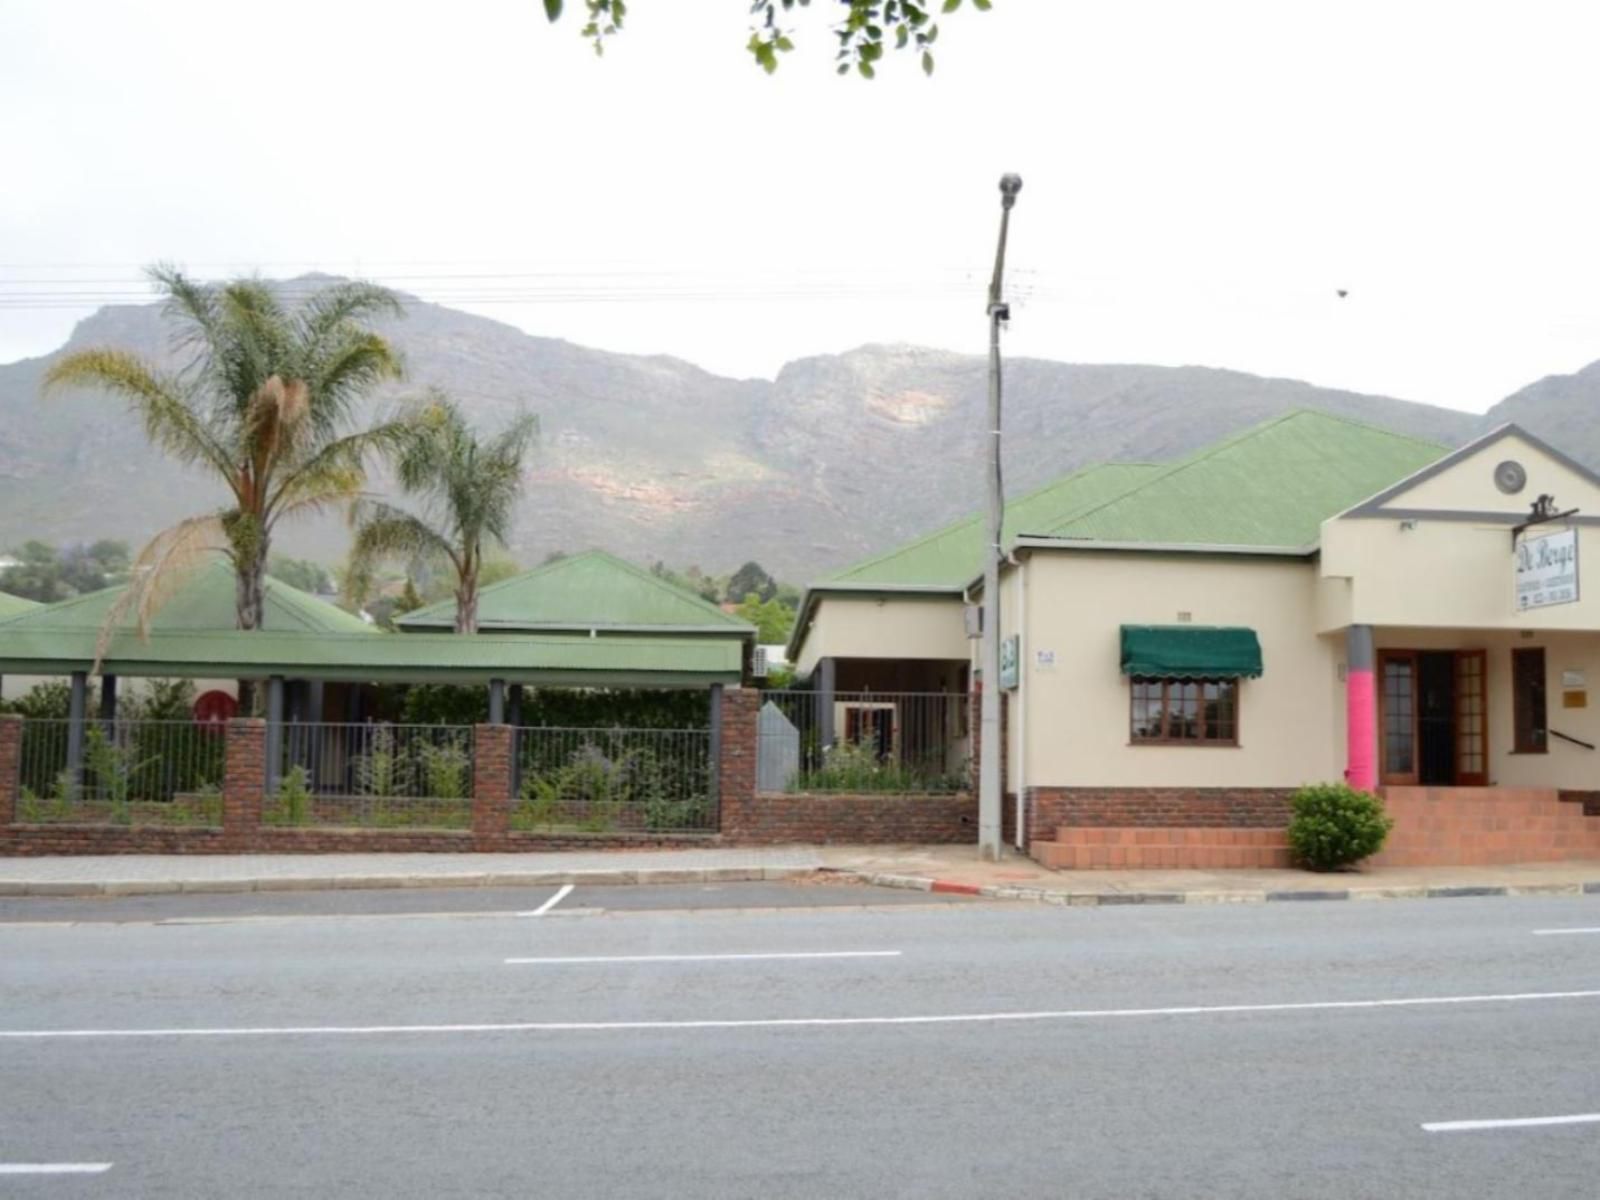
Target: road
[(762, 1050)]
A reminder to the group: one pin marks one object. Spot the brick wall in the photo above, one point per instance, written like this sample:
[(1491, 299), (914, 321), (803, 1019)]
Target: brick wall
[(818, 819), (10, 766), (244, 782), (736, 781), (1239, 808), (493, 778)]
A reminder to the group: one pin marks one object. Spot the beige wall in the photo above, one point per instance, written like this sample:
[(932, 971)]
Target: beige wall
[(1564, 766), (1291, 719), (884, 627), (1450, 571)]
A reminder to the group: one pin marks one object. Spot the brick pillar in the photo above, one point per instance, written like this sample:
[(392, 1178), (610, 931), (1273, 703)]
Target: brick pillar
[(741, 710), (493, 748), (244, 780), (10, 766)]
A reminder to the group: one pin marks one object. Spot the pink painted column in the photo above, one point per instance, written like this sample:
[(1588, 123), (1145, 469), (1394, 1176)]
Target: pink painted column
[(1361, 709)]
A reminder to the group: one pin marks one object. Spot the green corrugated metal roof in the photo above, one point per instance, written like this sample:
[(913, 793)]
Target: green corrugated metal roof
[(953, 555), (583, 592), (420, 658), (204, 603), (14, 606), (1273, 485)]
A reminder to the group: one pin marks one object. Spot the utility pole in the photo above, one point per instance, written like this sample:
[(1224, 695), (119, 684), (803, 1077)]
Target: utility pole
[(991, 790)]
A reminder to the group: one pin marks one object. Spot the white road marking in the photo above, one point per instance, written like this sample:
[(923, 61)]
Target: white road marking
[(677, 958), (562, 893), (1082, 1014), (53, 1168), (1557, 932), (1511, 1123)]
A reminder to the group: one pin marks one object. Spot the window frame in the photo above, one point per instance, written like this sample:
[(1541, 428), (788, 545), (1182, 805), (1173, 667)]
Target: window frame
[(1166, 738)]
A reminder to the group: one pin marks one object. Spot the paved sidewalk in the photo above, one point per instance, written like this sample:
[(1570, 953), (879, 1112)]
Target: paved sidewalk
[(149, 874), (1016, 877), (929, 868)]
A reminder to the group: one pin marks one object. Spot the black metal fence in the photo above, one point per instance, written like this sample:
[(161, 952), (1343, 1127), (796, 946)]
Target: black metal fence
[(863, 742), (372, 775), (121, 773), (614, 780)]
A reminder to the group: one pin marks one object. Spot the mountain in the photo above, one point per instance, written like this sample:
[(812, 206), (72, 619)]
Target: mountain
[(652, 457)]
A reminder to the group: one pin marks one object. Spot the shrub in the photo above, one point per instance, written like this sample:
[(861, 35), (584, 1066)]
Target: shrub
[(1334, 825), (294, 797)]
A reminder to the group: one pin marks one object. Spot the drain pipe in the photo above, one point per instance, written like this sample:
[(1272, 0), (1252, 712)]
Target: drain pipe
[(1020, 835)]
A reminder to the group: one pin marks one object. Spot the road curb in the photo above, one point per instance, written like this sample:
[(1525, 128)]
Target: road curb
[(1064, 898), (338, 883)]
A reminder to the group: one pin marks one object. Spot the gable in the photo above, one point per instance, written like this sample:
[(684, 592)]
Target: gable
[(1464, 483)]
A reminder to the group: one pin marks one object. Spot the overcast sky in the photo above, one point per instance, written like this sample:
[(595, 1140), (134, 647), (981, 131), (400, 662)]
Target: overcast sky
[(1200, 179)]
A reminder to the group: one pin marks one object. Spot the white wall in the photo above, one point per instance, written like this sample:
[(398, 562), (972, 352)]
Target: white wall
[(902, 627)]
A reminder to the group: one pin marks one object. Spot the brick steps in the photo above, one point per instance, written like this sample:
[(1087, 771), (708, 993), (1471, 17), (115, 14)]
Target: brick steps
[(1090, 848), (1488, 827)]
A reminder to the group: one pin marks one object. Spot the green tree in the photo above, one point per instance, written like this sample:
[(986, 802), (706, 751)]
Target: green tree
[(37, 575), (773, 619), (467, 491), (94, 567), (864, 29), (751, 577), (264, 404)]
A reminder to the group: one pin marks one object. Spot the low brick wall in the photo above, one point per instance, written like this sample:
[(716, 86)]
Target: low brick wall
[(1236, 808), (817, 818)]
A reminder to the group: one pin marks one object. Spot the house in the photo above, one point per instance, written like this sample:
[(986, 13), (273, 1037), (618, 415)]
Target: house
[(1310, 600)]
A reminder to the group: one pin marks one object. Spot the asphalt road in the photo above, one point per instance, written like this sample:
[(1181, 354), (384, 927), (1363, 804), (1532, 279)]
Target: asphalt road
[(970, 1050)]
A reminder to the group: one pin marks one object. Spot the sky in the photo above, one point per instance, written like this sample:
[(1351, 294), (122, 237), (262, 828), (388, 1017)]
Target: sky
[(1200, 180)]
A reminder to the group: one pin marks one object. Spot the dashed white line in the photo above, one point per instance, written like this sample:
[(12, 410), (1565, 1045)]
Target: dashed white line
[(1083, 1014), (1510, 1123), (562, 893), (1559, 932), (54, 1168), (579, 960)]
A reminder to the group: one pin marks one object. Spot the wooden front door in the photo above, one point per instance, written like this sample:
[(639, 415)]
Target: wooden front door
[(1433, 717)]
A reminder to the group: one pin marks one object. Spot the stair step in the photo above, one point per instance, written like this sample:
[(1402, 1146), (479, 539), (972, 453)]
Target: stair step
[(1062, 856), (1110, 835)]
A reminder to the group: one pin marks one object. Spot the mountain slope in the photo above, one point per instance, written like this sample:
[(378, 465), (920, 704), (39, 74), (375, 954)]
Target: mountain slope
[(651, 457)]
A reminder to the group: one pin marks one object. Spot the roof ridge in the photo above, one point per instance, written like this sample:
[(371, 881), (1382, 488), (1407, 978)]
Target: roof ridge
[(1358, 423)]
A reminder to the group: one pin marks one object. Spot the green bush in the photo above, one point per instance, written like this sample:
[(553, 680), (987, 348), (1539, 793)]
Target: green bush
[(1334, 825)]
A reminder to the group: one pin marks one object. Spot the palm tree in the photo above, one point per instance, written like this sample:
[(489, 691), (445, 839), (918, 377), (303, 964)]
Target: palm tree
[(264, 403), (467, 490)]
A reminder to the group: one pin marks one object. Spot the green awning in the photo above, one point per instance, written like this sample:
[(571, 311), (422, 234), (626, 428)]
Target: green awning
[(1190, 652)]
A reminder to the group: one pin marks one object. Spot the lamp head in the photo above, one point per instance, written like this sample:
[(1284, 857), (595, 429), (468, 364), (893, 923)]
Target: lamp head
[(1010, 185)]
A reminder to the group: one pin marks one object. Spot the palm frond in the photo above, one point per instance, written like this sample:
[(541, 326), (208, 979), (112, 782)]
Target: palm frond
[(162, 567), (334, 309), (347, 455), (347, 365), (386, 532), (160, 401)]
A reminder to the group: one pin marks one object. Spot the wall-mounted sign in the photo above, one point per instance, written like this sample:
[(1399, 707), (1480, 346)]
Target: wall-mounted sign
[(1009, 663), (1547, 570)]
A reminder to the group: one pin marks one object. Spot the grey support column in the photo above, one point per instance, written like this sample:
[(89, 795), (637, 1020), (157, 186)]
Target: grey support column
[(497, 701), (77, 705), (274, 733), (515, 704), (827, 674), (108, 699)]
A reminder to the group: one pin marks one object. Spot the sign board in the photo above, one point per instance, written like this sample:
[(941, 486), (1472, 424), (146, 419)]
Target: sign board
[(1044, 660), (1547, 570), (1009, 648)]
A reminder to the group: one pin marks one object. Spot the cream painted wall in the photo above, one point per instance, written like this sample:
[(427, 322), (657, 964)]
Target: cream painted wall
[(1291, 719), (1410, 568), (13, 687), (885, 627), (1468, 485), (1564, 766)]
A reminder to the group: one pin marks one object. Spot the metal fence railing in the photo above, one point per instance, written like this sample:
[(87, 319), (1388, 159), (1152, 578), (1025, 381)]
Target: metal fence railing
[(863, 742), (614, 780), (372, 775), (124, 773)]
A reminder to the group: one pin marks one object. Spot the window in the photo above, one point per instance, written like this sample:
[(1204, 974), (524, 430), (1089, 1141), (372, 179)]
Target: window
[(1527, 701), (1185, 711)]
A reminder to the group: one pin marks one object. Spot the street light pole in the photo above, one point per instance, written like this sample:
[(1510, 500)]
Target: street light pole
[(990, 783)]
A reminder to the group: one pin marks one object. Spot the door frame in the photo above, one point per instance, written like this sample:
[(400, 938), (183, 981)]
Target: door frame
[(1411, 778)]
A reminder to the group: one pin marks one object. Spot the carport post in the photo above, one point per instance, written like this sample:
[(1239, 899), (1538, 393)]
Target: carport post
[(77, 702), (714, 782), (497, 701), (274, 733), (514, 704), (108, 699)]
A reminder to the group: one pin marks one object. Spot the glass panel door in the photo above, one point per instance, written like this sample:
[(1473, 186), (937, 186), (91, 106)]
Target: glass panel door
[(1472, 720), (1397, 704)]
